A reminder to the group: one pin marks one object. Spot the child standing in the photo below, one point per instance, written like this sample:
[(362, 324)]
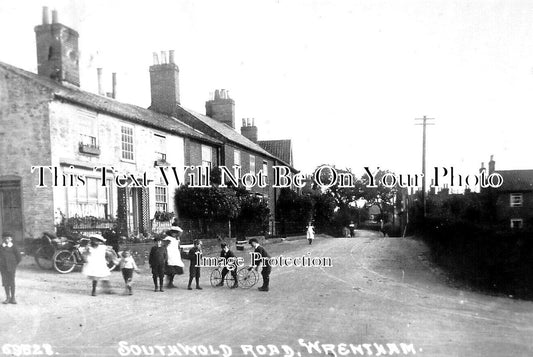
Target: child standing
[(127, 266), (96, 267), (158, 260), (195, 256), (9, 259)]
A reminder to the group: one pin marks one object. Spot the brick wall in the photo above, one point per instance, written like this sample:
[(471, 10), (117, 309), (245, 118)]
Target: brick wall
[(25, 142), (506, 212)]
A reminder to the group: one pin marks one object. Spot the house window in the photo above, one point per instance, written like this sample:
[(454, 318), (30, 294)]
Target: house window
[(207, 156), (516, 200), (160, 148), (87, 128), (91, 200), (252, 164), (517, 223), (127, 142), (161, 199), (237, 157)]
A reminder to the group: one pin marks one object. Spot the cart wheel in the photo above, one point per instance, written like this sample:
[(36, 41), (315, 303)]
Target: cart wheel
[(216, 277), (64, 261), (247, 277), (43, 257)]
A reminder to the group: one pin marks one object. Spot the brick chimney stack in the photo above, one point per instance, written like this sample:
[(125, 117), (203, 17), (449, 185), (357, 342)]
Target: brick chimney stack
[(164, 83), (492, 165), (57, 50), (221, 108), (249, 130)]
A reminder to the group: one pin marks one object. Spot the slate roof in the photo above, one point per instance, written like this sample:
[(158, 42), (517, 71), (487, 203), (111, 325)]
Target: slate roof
[(233, 136), (516, 180), (111, 106), (279, 148)]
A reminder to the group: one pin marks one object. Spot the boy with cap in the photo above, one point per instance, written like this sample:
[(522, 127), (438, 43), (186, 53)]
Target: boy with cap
[(258, 258), (229, 260), (195, 256), (158, 260), (9, 259)]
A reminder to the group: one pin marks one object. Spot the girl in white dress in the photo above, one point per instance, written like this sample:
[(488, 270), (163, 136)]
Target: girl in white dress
[(175, 264), (95, 267)]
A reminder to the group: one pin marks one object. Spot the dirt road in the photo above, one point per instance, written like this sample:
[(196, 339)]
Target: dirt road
[(380, 297)]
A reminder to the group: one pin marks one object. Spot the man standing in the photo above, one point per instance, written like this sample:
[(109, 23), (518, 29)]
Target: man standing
[(261, 258), (229, 265)]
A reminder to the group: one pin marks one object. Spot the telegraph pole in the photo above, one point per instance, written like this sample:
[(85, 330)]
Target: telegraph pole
[(424, 124)]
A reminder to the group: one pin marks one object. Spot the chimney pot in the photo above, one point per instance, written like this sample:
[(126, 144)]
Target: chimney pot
[(114, 90), (253, 121), (99, 72), (46, 15), (156, 59), (217, 94), (243, 122), (171, 56), (163, 57), (55, 19)]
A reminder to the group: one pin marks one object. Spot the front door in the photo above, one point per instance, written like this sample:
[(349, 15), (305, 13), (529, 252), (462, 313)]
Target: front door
[(11, 209), (133, 210)]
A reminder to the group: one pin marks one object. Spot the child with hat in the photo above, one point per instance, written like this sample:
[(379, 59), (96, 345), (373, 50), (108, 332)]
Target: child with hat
[(96, 267), (175, 264)]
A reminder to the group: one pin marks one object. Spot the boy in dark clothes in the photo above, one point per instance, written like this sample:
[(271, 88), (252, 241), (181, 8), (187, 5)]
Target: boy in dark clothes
[(261, 253), (226, 253), (194, 269), (9, 259), (158, 260)]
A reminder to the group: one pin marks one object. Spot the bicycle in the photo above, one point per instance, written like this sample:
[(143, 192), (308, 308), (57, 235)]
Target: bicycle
[(71, 256), (247, 277)]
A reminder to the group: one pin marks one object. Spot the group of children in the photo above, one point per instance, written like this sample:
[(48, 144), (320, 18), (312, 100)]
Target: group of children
[(164, 259)]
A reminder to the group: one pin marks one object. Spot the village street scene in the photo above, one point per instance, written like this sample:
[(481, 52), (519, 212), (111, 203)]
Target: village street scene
[(208, 179)]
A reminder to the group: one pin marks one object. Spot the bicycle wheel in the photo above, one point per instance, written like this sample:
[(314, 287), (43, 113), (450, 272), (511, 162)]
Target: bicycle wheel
[(64, 261), (230, 280), (216, 277), (43, 257), (247, 277)]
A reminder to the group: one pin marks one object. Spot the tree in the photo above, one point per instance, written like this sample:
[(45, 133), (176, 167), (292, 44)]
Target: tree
[(206, 204)]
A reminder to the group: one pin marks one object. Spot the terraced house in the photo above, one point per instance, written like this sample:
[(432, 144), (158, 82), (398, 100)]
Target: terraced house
[(46, 119)]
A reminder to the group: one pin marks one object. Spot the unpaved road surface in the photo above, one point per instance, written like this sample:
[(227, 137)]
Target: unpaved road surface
[(379, 297)]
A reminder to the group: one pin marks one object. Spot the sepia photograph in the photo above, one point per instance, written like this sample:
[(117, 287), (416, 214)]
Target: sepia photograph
[(266, 178)]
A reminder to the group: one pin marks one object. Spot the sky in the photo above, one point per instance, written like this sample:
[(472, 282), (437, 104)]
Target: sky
[(344, 80)]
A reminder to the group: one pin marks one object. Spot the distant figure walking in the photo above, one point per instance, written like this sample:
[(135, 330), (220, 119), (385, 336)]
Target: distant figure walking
[(9, 259), (310, 233), (352, 229)]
